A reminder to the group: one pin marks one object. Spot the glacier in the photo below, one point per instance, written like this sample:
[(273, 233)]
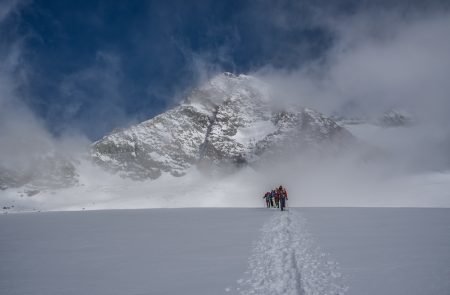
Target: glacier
[(351, 251)]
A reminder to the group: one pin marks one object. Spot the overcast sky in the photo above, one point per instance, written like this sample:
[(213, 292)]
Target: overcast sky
[(88, 67)]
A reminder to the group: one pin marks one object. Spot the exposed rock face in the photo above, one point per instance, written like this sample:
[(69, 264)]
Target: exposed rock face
[(395, 118), (230, 119), (167, 143)]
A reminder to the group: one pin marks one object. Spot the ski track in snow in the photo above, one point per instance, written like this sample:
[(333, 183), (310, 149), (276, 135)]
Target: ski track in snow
[(286, 261)]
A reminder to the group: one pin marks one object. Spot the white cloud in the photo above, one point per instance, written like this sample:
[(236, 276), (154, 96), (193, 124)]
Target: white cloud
[(377, 62), (382, 61)]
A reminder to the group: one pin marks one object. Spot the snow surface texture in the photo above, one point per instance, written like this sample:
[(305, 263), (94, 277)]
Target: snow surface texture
[(389, 251), (206, 251), (286, 261)]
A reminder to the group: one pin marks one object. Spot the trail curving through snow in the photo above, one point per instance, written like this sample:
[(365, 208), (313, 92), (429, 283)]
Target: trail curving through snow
[(286, 261)]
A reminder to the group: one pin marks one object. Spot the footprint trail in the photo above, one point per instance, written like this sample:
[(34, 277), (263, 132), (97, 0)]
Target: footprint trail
[(286, 261)]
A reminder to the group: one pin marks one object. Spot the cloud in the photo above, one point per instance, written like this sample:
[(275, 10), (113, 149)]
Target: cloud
[(397, 63), (359, 60), (381, 60), (23, 135), (376, 64), (18, 126)]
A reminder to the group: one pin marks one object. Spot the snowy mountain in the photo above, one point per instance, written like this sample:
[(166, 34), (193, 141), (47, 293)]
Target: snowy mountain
[(229, 120), (395, 118), (39, 171)]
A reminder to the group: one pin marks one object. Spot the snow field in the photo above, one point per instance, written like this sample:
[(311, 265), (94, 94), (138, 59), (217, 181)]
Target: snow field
[(287, 261), (205, 251)]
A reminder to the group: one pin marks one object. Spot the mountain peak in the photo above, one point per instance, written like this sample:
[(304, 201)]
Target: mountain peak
[(226, 87), (227, 120)]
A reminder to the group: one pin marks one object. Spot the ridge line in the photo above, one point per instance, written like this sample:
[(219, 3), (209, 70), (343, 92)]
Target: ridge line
[(204, 144)]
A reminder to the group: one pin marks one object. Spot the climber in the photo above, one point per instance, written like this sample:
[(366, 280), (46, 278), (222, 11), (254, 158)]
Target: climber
[(272, 196), (283, 197), (277, 198), (267, 197)]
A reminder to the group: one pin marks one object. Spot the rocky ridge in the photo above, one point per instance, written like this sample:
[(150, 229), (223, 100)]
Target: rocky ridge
[(229, 120)]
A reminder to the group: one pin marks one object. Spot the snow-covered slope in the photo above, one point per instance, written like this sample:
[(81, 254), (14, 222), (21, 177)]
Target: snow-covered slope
[(371, 251), (49, 169), (395, 118), (228, 120)]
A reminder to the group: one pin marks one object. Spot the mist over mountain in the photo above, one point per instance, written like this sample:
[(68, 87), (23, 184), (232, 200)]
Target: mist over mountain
[(225, 147), (228, 121), (224, 143), (346, 103)]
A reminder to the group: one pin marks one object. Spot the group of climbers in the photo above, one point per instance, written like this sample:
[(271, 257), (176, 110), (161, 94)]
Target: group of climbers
[(276, 198)]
